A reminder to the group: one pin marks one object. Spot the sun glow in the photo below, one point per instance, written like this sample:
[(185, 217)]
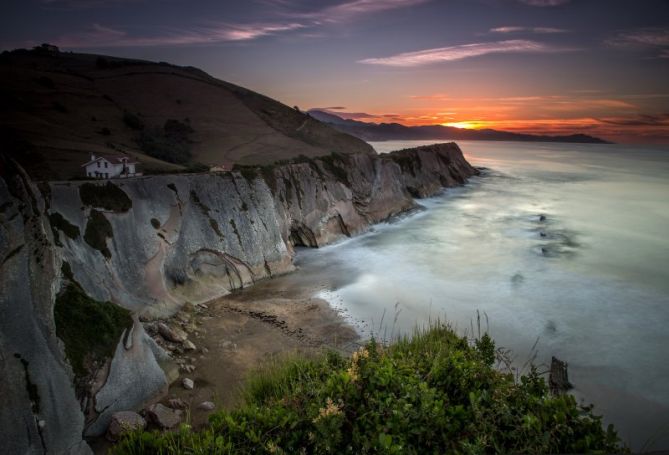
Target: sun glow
[(464, 125)]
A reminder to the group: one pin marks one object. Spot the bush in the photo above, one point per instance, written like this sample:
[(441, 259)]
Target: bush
[(98, 230), (108, 196), (433, 393), (59, 223), (90, 330), (133, 121)]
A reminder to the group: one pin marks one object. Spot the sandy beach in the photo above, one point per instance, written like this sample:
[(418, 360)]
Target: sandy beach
[(242, 331)]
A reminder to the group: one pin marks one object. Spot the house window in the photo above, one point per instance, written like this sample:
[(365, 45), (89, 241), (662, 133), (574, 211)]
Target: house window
[(105, 164), (98, 164)]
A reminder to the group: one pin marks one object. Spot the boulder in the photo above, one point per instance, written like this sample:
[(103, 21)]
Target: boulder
[(206, 406), (124, 421), (163, 416), (189, 346), (174, 334), (187, 383)]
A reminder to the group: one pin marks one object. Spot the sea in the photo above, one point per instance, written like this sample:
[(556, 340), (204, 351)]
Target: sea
[(554, 250)]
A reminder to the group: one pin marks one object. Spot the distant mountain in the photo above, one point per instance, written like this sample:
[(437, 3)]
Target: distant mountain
[(398, 132)]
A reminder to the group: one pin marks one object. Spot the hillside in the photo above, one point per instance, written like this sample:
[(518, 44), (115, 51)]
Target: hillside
[(56, 108), (396, 131)]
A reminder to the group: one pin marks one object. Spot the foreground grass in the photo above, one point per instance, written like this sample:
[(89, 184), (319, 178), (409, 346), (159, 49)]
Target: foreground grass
[(432, 393)]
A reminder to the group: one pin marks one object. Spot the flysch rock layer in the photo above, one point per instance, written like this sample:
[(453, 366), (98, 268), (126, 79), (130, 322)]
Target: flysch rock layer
[(185, 238)]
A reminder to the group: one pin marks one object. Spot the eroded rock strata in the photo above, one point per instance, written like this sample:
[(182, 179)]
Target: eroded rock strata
[(151, 244)]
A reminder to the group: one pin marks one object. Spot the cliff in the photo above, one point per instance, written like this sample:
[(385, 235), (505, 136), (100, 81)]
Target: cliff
[(151, 244)]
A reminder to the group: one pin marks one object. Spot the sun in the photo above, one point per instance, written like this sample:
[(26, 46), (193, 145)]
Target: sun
[(462, 125)]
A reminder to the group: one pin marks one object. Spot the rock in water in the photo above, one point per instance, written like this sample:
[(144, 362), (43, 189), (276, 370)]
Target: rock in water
[(124, 421), (558, 379), (206, 406), (187, 383), (163, 416), (173, 334)]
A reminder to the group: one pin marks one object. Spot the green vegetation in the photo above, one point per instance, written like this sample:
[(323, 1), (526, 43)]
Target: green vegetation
[(58, 223), (133, 121), (336, 164), (89, 329), (98, 230), (172, 143), (108, 196), (432, 393)]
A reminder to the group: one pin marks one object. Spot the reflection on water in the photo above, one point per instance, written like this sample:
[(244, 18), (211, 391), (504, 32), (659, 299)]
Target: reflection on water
[(567, 243)]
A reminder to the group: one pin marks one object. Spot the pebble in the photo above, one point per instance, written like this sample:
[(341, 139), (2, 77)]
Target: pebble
[(187, 383)]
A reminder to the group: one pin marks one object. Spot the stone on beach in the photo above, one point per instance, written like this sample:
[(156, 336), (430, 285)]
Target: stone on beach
[(163, 416), (206, 406), (173, 334), (124, 421), (187, 383)]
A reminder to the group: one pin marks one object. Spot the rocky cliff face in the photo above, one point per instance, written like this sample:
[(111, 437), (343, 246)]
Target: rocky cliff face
[(151, 244)]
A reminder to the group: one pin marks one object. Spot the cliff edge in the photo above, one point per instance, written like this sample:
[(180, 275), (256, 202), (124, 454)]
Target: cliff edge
[(151, 244)]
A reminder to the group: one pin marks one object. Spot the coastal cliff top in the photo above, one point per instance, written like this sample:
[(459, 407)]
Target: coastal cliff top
[(59, 107)]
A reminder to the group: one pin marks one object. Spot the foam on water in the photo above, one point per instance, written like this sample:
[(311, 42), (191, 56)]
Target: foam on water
[(565, 243)]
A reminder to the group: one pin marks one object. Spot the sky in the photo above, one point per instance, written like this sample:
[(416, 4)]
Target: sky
[(598, 67)]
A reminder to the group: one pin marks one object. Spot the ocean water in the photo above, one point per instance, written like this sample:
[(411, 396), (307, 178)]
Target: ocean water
[(562, 245)]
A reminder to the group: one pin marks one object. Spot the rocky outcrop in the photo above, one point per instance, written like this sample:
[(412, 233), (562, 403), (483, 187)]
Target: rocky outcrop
[(39, 411), (152, 244)]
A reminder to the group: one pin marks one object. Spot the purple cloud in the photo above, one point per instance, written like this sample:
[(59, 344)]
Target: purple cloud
[(544, 3), (517, 29), (451, 53), (288, 20)]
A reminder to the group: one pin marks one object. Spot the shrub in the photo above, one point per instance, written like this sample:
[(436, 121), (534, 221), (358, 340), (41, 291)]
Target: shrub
[(133, 121), (59, 223), (89, 329), (154, 142), (433, 393), (98, 230), (107, 196)]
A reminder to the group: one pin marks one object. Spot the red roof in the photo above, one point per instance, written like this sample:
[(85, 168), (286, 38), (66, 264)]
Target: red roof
[(114, 159)]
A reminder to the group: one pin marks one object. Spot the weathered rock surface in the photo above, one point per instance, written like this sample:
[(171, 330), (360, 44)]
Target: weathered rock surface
[(216, 233), (134, 377), (124, 421), (220, 232), (39, 411)]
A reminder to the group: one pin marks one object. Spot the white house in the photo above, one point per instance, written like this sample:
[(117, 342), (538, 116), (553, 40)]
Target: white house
[(110, 166)]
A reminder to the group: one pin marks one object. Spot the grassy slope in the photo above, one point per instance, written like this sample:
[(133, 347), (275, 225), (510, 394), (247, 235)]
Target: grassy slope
[(54, 109), (434, 393)]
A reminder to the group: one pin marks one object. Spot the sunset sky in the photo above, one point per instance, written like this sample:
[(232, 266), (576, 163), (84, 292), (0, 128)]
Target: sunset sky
[(539, 66)]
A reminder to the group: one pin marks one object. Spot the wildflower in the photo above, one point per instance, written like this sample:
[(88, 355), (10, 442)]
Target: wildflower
[(330, 409)]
